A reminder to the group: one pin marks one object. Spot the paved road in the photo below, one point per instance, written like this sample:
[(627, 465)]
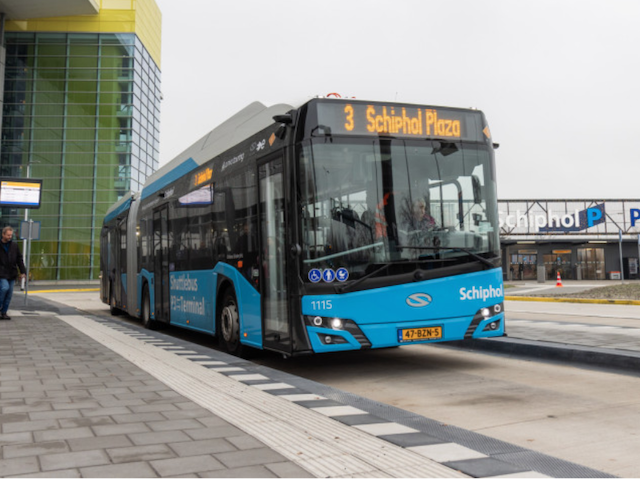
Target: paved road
[(603, 326)]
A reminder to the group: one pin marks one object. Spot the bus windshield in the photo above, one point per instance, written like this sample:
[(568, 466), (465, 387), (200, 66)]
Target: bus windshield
[(370, 203)]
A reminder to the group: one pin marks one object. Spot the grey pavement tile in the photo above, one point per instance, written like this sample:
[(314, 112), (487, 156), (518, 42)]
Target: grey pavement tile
[(245, 458), (256, 471), (148, 388), (198, 413), (96, 443), (62, 434), (77, 393), (157, 407), (358, 419), (98, 391), (123, 470), (86, 421), (75, 405), (120, 429), (245, 442), (31, 426), (174, 425), (170, 394), (214, 432), (484, 467), (19, 466), (16, 438), (159, 437), (28, 407), (60, 461), (54, 414), (186, 465), (202, 447), (288, 470), (14, 417), (407, 440), (34, 449), (138, 396), (140, 454), (214, 421), (70, 473), (105, 411), (121, 403), (138, 417)]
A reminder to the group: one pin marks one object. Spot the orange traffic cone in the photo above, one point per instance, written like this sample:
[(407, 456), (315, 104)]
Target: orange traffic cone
[(559, 281)]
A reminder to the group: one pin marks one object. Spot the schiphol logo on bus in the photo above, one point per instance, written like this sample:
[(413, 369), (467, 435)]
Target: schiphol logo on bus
[(418, 300), (551, 222), (481, 293)]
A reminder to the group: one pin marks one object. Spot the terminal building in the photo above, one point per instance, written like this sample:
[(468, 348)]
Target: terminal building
[(580, 239), (80, 92)]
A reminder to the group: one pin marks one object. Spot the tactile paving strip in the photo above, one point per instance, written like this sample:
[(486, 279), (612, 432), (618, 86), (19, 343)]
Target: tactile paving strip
[(457, 450), (322, 446)]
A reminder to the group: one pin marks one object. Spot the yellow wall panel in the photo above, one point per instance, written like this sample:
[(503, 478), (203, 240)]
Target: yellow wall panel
[(123, 27), (142, 17), (117, 4)]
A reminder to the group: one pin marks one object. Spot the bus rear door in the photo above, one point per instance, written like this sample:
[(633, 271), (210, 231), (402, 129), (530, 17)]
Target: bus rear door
[(161, 263)]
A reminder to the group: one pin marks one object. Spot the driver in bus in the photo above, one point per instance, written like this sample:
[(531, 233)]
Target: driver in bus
[(422, 219)]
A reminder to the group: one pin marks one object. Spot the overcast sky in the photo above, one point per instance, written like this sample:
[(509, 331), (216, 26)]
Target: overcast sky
[(558, 80)]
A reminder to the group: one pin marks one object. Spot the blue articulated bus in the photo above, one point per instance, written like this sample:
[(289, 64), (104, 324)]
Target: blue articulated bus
[(335, 225)]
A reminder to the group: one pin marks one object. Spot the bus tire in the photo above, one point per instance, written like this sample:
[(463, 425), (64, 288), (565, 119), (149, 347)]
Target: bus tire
[(113, 308), (145, 315), (229, 321)]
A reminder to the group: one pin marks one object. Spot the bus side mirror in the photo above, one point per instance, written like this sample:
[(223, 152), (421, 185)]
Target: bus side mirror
[(477, 189), (284, 120)]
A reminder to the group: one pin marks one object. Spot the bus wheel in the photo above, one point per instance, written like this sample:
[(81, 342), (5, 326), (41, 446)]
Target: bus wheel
[(230, 323), (147, 321), (113, 309)]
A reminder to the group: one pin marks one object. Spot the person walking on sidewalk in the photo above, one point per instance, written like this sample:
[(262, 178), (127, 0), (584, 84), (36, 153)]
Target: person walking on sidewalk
[(10, 262)]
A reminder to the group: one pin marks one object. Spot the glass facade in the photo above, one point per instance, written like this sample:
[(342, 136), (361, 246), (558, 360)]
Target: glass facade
[(82, 112)]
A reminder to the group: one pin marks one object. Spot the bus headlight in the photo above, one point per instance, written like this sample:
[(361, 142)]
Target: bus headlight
[(335, 323)]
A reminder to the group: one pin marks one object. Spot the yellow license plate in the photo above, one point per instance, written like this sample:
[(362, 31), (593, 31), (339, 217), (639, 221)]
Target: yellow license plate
[(419, 334)]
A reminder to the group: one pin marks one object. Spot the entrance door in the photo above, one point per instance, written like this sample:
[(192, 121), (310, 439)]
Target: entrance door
[(275, 316), (559, 261), (591, 263), (524, 265), (161, 263)]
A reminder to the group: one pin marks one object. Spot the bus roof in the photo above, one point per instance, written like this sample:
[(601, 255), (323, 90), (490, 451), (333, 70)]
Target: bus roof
[(247, 122), (120, 206)]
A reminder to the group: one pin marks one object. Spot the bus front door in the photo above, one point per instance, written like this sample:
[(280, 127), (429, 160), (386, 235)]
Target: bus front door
[(275, 316), (161, 263)]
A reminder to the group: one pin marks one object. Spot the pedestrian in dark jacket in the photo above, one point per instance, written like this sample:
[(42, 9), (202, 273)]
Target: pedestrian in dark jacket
[(10, 262)]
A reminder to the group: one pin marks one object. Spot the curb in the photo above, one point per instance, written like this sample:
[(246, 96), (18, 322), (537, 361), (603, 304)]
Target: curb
[(572, 300), (576, 354), (67, 290)]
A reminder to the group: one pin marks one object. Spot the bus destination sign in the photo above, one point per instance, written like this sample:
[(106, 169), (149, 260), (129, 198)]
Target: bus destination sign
[(399, 120)]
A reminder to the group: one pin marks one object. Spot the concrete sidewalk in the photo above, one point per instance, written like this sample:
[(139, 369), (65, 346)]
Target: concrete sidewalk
[(83, 394)]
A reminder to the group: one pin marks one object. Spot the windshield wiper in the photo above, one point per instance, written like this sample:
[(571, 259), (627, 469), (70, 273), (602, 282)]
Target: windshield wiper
[(362, 279), (473, 255), (342, 254)]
